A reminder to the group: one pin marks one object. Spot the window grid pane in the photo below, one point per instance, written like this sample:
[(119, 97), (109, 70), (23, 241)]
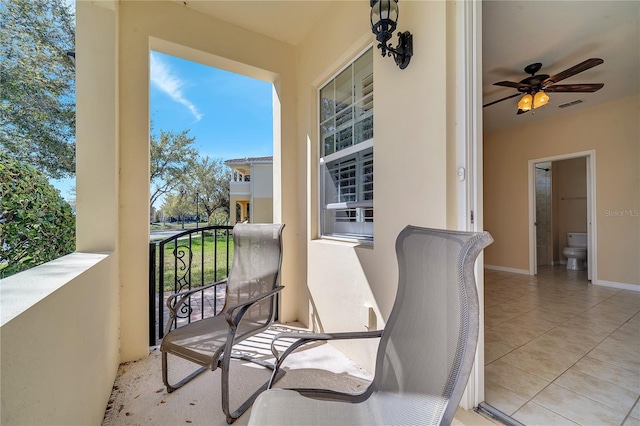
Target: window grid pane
[(346, 120)]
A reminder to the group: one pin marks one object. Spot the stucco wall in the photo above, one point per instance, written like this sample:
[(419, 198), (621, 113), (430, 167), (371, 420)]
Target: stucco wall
[(612, 131), (60, 352), (410, 157), (171, 28)]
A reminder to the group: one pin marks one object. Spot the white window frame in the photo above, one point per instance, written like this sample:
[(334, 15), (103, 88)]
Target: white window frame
[(362, 210)]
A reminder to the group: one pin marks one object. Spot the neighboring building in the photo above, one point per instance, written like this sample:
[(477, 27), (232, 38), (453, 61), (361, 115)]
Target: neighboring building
[(251, 190)]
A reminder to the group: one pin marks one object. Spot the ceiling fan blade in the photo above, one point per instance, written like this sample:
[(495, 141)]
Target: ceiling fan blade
[(512, 84), (500, 100), (574, 87), (582, 66)]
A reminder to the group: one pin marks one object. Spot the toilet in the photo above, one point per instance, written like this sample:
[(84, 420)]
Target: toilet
[(576, 250)]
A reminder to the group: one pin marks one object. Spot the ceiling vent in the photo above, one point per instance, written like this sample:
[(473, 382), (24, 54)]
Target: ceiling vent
[(572, 103)]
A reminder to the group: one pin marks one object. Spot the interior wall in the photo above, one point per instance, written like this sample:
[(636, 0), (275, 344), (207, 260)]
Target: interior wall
[(612, 131), (410, 162)]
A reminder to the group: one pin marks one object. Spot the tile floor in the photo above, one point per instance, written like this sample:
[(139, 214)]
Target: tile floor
[(559, 350)]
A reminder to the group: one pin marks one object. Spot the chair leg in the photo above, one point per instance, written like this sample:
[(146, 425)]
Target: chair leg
[(165, 375), (226, 363)]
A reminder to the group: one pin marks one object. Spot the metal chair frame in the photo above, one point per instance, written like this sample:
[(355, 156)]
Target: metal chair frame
[(218, 354)]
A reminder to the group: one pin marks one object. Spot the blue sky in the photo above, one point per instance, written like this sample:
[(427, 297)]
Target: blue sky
[(229, 115)]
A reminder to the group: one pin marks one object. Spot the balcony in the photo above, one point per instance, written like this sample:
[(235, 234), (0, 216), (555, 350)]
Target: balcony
[(59, 350), (240, 188)]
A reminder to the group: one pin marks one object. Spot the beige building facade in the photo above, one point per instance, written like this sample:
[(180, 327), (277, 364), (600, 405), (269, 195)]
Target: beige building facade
[(251, 190), (427, 127)]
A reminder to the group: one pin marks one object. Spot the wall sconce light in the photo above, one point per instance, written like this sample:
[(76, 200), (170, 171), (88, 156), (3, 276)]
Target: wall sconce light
[(384, 17)]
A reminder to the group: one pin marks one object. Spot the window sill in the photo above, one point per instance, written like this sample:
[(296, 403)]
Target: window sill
[(345, 240)]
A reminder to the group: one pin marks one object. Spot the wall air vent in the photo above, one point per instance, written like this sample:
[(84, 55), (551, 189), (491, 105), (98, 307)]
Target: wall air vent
[(572, 103)]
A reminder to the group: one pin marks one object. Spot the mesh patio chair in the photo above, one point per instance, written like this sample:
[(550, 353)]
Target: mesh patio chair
[(249, 308), (426, 349)]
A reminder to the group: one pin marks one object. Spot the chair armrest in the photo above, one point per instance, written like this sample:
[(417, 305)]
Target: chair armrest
[(313, 337), (234, 318), (182, 298)]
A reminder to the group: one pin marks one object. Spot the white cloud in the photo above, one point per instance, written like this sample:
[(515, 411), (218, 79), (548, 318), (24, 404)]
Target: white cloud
[(164, 79)]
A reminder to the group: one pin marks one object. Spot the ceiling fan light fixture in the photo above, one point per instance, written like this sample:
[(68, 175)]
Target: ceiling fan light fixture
[(525, 102), (540, 99)]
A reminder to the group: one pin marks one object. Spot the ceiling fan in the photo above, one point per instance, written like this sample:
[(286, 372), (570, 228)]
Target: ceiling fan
[(535, 86)]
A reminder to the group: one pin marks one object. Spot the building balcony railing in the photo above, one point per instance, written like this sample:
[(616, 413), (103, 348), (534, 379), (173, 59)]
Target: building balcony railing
[(240, 188)]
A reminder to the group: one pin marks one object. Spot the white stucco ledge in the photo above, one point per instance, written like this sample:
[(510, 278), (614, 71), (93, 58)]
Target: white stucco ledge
[(21, 291)]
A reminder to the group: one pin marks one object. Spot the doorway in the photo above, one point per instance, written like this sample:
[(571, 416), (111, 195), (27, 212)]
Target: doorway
[(561, 205)]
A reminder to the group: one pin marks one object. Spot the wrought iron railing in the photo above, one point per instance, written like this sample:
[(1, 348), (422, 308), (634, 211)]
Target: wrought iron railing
[(185, 261)]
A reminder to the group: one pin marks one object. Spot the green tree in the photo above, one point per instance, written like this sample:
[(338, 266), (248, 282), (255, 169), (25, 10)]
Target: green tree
[(178, 205), (208, 183), (37, 99), (36, 224), (172, 156)]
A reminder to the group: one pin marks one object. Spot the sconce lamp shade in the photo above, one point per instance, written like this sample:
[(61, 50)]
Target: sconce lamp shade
[(384, 18), (540, 99), (525, 103)]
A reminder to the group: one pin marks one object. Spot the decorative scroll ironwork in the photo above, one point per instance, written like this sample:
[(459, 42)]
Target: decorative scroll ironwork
[(183, 281)]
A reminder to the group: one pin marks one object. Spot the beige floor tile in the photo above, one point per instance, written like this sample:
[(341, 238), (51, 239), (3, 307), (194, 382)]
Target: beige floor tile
[(594, 323), (557, 343), (576, 407), (563, 357), (577, 335), (513, 333), (588, 335), (543, 368), (556, 315), (516, 380), (613, 312), (619, 399), (495, 335), (620, 353), (627, 379), (537, 327), (542, 317), (495, 350), (532, 414), (502, 398), (627, 332)]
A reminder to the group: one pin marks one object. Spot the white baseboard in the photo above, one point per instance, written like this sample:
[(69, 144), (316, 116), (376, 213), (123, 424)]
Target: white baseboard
[(623, 286), (505, 269)]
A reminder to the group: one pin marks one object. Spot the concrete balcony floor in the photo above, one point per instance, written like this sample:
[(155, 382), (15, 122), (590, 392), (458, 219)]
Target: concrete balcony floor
[(140, 398)]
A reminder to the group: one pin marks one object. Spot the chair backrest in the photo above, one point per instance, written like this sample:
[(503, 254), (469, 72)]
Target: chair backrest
[(257, 258), (429, 342)]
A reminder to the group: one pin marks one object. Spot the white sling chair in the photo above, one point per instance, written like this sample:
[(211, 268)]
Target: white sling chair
[(426, 350)]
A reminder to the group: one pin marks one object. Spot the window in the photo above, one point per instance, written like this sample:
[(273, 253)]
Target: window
[(346, 152)]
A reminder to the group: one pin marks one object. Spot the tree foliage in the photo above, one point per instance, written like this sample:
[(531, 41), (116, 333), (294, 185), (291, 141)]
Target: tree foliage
[(37, 119), (209, 183), (36, 224), (204, 190), (172, 156), (178, 205)]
